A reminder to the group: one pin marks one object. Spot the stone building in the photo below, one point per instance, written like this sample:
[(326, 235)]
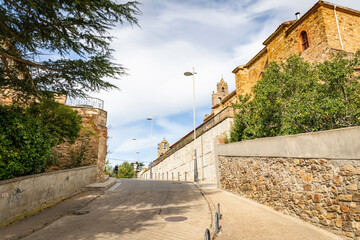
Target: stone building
[(323, 29), (221, 99)]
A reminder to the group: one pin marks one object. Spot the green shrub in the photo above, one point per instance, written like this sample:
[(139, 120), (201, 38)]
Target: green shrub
[(25, 143), (297, 97), (28, 134)]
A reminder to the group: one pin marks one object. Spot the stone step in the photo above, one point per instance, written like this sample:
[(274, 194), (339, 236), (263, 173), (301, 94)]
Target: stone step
[(100, 186)]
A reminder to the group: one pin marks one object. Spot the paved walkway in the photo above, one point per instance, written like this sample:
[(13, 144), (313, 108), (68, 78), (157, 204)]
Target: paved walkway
[(247, 220), (242, 219)]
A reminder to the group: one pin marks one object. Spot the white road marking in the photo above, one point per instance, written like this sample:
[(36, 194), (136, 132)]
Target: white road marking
[(115, 186)]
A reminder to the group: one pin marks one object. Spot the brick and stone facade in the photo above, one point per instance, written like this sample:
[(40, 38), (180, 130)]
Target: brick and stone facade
[(93, 140), (221, 99), (321, 26)]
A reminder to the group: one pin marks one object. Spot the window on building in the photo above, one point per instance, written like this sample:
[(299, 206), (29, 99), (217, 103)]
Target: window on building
[(261, 75), (304, 40), (219, 99), (223, 90)]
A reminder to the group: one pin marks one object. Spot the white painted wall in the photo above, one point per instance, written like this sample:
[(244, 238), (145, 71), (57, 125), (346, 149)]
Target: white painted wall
[(180, 165)]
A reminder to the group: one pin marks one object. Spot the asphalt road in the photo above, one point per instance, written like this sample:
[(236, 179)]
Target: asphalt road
[(136, 209)]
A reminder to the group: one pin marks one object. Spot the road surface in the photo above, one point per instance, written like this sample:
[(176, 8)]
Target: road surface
[(136, 209)]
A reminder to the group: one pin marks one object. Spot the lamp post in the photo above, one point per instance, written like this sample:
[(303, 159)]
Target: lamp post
[(195, 160), (151, 140)]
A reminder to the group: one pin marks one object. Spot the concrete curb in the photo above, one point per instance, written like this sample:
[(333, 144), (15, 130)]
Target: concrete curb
[(212, 209)]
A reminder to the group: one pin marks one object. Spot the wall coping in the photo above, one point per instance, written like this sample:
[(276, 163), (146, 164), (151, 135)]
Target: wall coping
[(227, 112), (339, 144), (16, 179)]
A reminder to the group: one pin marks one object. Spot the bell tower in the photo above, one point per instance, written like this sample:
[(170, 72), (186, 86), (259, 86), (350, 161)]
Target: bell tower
[(221, 92), (163, 147)]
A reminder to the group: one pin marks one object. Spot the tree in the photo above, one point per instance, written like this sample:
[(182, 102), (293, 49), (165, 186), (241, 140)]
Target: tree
[(296, 97), (108, 167), (125, 170), (63, 122), (74, 33)]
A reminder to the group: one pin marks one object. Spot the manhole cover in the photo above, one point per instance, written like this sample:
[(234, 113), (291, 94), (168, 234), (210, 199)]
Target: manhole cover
[(175, 219), (83, 212)]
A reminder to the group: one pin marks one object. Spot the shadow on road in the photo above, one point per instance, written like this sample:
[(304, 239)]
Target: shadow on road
[(134, 207)]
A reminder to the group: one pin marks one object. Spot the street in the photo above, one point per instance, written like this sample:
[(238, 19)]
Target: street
[(136, 209)]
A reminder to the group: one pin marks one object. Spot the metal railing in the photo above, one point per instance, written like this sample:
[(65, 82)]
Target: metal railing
[(85, 102)]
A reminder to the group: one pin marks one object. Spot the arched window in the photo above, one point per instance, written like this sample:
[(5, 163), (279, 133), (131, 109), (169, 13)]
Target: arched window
[(219, 99), (304, 40), (223, 90), (261, 75)]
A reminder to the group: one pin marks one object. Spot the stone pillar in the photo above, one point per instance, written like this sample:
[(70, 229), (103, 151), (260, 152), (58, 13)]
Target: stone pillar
[(95, 119)]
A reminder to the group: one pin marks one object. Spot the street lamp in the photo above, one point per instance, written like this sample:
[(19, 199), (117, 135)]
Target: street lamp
[(195, 160), (151, 140)]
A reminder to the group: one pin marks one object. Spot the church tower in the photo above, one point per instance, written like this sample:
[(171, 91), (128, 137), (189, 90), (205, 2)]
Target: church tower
[(221, 92), (163, 147)]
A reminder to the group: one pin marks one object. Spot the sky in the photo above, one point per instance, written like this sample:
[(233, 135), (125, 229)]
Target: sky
[(211, 36)]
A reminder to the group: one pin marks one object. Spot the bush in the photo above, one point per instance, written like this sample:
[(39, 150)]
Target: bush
[(297, 97), (25, 143), (27, 136)]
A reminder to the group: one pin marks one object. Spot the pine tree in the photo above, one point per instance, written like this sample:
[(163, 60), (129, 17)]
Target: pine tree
[(59, 46)]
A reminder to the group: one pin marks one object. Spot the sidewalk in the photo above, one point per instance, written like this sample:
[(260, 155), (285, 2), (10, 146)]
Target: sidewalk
[(247, 220), (40, 220), (25, 227)]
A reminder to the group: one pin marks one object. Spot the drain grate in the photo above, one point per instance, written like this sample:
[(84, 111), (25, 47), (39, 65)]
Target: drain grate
[(176, 219), (81, 212)]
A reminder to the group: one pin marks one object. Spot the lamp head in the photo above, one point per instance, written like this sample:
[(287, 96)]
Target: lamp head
[(188, 74)]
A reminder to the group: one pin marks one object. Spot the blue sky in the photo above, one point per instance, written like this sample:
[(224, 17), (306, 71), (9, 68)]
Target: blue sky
[(213, 36)]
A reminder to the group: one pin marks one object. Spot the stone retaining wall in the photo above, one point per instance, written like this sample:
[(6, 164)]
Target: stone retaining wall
[(23, 196), (324, 191)]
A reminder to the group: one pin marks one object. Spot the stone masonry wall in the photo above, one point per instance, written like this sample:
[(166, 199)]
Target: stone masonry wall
[(321, 191), (349, 23), (93, 136), (313, 176)]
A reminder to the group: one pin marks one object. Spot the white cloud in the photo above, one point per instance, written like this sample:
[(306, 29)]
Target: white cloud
[(212, 36)]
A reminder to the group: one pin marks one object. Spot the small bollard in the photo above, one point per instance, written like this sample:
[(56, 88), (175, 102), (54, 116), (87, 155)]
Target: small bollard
[(207, 234), (219, 210), (217, 224)]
